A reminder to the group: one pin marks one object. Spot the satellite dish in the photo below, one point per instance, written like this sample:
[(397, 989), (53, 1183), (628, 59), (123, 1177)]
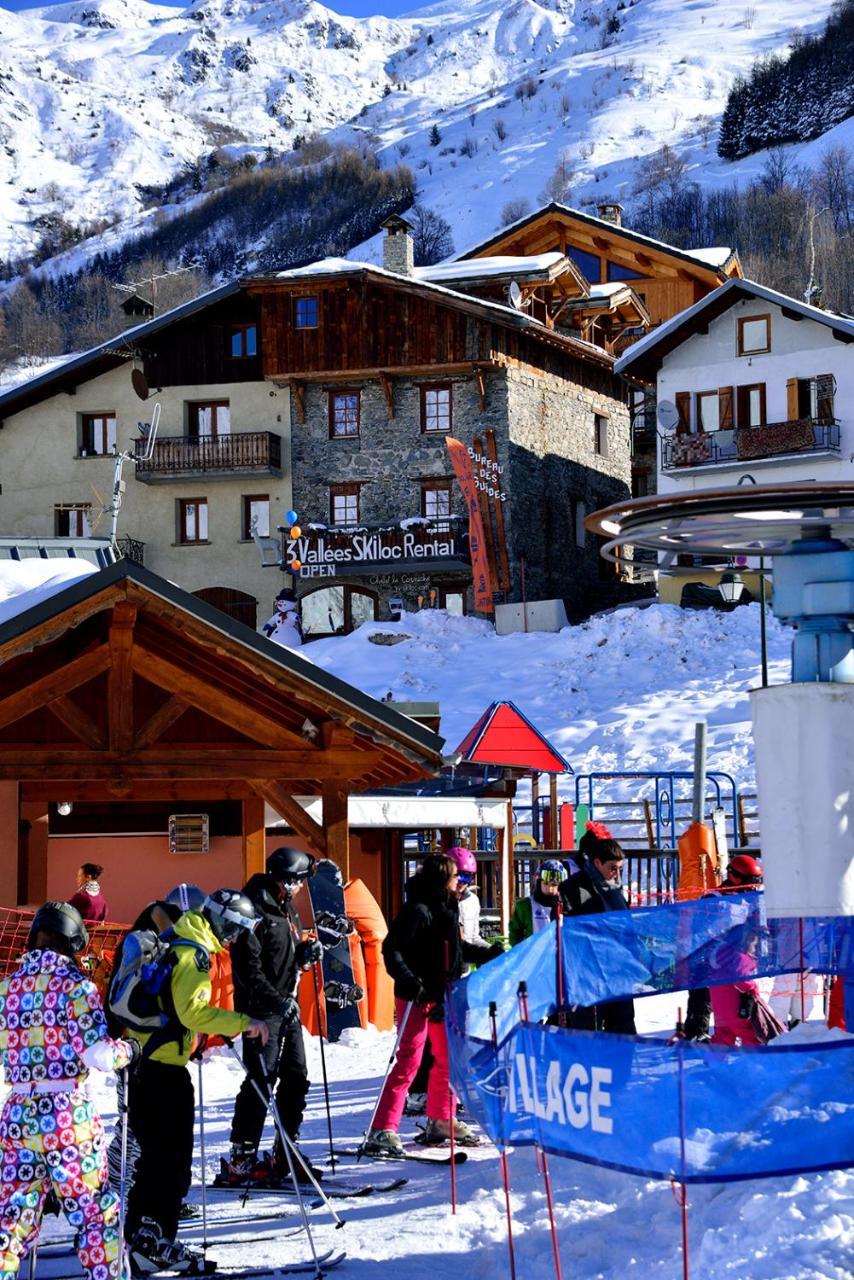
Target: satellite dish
[(668, 414), (514, 293), (139, 383)]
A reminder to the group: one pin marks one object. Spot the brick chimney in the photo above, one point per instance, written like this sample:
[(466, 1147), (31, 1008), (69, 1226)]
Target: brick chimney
[(612, 211), (398, 248)]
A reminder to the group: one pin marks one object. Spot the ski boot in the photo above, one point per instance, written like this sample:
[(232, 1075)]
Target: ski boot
[(151, 1252), (439, 1132), (277, 1163), (416, 1104), (189, 1212), (383, 1143)]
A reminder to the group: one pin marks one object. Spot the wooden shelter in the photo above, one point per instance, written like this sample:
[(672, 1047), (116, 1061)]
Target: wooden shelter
[(124, 688)]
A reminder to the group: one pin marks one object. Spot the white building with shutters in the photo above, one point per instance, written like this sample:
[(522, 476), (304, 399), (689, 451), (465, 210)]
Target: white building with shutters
[(748, 382)]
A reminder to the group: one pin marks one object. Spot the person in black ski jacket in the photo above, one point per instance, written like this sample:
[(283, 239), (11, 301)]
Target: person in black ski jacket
[(424, 952), (594, 889), (266, 966)]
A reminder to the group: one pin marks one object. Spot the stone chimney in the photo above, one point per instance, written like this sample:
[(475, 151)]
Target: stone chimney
[(398, 247), (611, 212)]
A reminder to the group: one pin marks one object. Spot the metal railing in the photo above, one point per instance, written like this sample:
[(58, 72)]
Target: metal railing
[(131, 548), (744, 444), (244, 452)]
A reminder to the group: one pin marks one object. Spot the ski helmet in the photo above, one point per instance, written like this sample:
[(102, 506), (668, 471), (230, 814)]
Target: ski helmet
[(228, 911), (189, 897), (551, 871), (465, 860), (64, 922), (744, 870), (330, 871), (289, 865)]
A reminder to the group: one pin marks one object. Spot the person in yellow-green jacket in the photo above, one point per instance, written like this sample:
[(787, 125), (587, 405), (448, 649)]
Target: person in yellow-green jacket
[(161, 1101)]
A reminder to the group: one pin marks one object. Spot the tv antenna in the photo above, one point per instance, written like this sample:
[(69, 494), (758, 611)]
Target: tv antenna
[(133, 286), (142, 453)]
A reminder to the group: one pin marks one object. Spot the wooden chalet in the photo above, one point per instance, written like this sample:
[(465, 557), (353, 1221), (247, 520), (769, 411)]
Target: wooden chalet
[(124, 692)]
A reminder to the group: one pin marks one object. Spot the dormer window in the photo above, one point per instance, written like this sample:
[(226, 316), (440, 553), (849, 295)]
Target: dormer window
[(754, 335), (305, 313)]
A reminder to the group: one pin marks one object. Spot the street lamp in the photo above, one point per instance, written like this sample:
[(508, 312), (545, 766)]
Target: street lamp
[(731, 586)]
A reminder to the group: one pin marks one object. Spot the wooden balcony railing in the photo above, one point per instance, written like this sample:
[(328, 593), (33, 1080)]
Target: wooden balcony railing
[(244, 453), (746, 444)]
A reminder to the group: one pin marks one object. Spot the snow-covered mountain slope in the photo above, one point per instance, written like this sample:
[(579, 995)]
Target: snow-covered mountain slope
[(97, 99)]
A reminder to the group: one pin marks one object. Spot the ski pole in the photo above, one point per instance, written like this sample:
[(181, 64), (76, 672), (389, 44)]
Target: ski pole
[(544, 1161), (389, 1066), (123, 1166), (452, 1101), (202, 1154), (505, 1168), (323, 1064)]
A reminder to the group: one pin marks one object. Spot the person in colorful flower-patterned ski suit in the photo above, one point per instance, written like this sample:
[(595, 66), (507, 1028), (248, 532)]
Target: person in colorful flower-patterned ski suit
[(52, 1031)]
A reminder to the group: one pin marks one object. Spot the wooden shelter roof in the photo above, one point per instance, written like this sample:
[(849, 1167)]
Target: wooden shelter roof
[(123, 686)]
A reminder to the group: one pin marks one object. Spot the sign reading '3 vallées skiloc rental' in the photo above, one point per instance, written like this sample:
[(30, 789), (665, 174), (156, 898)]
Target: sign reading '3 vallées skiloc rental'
[(329, 554)]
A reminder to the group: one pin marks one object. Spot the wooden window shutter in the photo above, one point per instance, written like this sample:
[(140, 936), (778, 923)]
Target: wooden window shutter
[(825, 383), (791, 399), (726, 419), (683, 408)]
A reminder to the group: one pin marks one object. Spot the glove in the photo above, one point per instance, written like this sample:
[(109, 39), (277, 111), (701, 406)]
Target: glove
[(746, 1005), (308, 952), (437, 1013), (289, 1012), (496, 950), (135, 1053), (412, 990)]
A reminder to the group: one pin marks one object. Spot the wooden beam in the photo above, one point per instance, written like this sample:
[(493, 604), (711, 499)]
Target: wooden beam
[(54, 685), (104, 792), (293, 813), (42, 764), (374, 373), (120, 685), (254, 837), (78, 722), (218, 703), (388, 392), (61, 623), (298, 393), (336, 826), (792, 315), (156, 725)]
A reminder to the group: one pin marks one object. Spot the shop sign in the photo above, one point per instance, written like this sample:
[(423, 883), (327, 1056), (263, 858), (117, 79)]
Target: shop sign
[(339, 554), (488, 475)]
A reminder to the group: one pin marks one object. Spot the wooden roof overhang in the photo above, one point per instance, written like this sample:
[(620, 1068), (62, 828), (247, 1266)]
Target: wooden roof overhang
[(122, 686), (624, 304), (557, 227)]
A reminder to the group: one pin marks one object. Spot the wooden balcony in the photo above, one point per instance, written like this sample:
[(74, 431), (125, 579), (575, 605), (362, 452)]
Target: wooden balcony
[(223, 457), (750, 444)]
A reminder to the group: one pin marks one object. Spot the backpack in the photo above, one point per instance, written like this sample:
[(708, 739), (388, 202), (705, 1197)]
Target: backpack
[(140, 996)]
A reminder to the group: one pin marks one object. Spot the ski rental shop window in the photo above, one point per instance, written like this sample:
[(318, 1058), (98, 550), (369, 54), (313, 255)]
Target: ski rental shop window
[(753, 335), (344, 504), (97, 434), (256, 515), (436, 499), (436, 407), (192, 520), (208, 418), (331, 611), (344, 413), (243, 341), (72, 519)]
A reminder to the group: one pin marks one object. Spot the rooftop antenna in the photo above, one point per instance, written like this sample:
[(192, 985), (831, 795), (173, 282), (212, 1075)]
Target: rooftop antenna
[(143, 453), (151, 281), (812, 293)]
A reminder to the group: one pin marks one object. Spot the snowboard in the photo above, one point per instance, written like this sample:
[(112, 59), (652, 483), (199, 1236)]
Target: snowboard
[(341, 995)]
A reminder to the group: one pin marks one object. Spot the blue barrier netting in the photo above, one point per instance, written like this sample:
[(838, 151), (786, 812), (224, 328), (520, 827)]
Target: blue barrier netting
[(662, 1110)]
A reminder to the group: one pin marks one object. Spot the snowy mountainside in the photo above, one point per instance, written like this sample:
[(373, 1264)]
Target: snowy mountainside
[(99, 98), (621, 691)]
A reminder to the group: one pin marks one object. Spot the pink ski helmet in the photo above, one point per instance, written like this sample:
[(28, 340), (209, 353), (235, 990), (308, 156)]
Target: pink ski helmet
[(465, 860)]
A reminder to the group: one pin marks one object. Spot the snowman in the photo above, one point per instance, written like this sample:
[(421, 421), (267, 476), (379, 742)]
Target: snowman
[(284, 626)]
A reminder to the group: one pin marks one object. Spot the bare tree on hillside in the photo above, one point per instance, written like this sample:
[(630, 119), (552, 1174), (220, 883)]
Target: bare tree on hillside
[(431, 234)]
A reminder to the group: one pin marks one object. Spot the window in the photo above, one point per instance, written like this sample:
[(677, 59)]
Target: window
[(452, 599), (73, 519), (751, 405), (344, 504), (344, 414), (208, 418), (588, 264), (97, 434), (192, 520), (600, 435), (305, 313), (435, 499), (616, 271), (754, 335), (244, 341), (708, 411), (812, 398), (330, 611), (256, 515), (436, 407), (577, 512)]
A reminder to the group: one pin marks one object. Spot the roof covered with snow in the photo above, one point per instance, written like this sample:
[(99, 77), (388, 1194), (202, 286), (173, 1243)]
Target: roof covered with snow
[(497, 265)]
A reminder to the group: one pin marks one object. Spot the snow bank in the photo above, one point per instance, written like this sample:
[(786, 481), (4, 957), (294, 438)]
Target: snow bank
[(26, 583)]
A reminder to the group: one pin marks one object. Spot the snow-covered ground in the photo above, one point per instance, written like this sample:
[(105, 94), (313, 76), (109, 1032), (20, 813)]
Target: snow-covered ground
[(610, 1224)]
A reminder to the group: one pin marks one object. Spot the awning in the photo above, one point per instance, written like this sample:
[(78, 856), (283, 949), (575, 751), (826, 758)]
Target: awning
[(408, 813)]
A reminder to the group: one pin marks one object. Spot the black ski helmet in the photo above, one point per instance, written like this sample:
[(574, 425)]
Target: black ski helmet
[(289, 866), (228, 911), (62, 920), (189, 897)]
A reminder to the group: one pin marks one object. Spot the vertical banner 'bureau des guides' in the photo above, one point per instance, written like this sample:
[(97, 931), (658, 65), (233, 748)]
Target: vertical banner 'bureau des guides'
[(464, 471)]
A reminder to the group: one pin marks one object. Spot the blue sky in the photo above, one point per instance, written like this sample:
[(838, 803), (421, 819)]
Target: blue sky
[(358, 8)]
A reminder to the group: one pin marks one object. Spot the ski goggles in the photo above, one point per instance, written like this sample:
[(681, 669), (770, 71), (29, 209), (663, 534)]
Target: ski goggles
[(239, 921), (465, 877), (548, 876)]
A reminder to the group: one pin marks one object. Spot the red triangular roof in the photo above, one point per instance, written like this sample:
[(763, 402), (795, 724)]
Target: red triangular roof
[(503, 735)]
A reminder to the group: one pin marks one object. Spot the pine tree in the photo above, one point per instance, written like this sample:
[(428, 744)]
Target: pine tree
[(435, 136)]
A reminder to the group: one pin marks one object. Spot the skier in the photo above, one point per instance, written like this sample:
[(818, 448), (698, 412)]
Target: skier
[(161, 1095), (88, 899), (740, 1011), (594, 889), (535, 912), (423, 953), (52, 1033), (266, 966)]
